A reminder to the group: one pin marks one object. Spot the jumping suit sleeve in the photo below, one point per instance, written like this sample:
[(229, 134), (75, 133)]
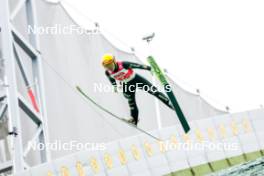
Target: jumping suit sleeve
[(127, 65), (112, 80)]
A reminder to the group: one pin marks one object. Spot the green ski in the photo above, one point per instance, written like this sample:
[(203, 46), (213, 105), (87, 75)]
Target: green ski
[(115, 116), (159, 74)]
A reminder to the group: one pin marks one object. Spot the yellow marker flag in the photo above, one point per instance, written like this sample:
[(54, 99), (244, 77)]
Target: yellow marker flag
[(122, 157), (174, 140), (65, 171), (162, 146), (211, 133), (80, 169), (199, 135), (108, 161), (50, 173), (135, 152), (148, 149), (234, 128), (94, 165), (222, 131), (246, 125)]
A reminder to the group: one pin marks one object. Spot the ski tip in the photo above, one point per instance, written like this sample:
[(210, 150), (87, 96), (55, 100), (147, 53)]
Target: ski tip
[(77, 87), (187, 130)]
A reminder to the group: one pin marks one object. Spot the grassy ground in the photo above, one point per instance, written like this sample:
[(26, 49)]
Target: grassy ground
[(215, 166)]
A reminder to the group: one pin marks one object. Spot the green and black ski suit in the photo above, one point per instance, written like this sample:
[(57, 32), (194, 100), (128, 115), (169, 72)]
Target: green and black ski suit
[(131, 81)]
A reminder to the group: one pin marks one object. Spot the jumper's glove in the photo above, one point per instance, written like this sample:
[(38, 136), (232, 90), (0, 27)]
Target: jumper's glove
[(149, 68)]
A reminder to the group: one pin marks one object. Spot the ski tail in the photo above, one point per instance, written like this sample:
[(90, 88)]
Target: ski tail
[(114, 115), (159, 74)]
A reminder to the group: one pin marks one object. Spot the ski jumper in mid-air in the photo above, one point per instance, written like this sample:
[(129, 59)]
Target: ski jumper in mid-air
[(123, 71)]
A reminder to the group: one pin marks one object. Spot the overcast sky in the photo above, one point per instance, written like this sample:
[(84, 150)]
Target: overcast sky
[(216, 46)]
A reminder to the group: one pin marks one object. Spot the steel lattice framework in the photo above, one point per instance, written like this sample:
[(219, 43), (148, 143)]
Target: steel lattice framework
[(13, 101)]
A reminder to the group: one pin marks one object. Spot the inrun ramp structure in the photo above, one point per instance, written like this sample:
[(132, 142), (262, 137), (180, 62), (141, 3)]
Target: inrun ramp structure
[(39, 102)]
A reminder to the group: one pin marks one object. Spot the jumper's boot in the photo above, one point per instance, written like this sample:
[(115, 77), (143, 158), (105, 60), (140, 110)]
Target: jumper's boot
[(133, 121)]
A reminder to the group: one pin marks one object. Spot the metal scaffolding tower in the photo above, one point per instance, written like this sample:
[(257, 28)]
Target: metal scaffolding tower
[(14, 103)]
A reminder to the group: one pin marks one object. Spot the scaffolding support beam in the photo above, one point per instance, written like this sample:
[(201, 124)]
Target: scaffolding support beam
[(6, 166), (10, 73), (38, 75), (23, 43), (15, 101), (3, 110), (17, 9), (29, 110)]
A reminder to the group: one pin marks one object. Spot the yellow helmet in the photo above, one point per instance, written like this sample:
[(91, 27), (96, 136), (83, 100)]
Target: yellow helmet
[(108, 59)]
